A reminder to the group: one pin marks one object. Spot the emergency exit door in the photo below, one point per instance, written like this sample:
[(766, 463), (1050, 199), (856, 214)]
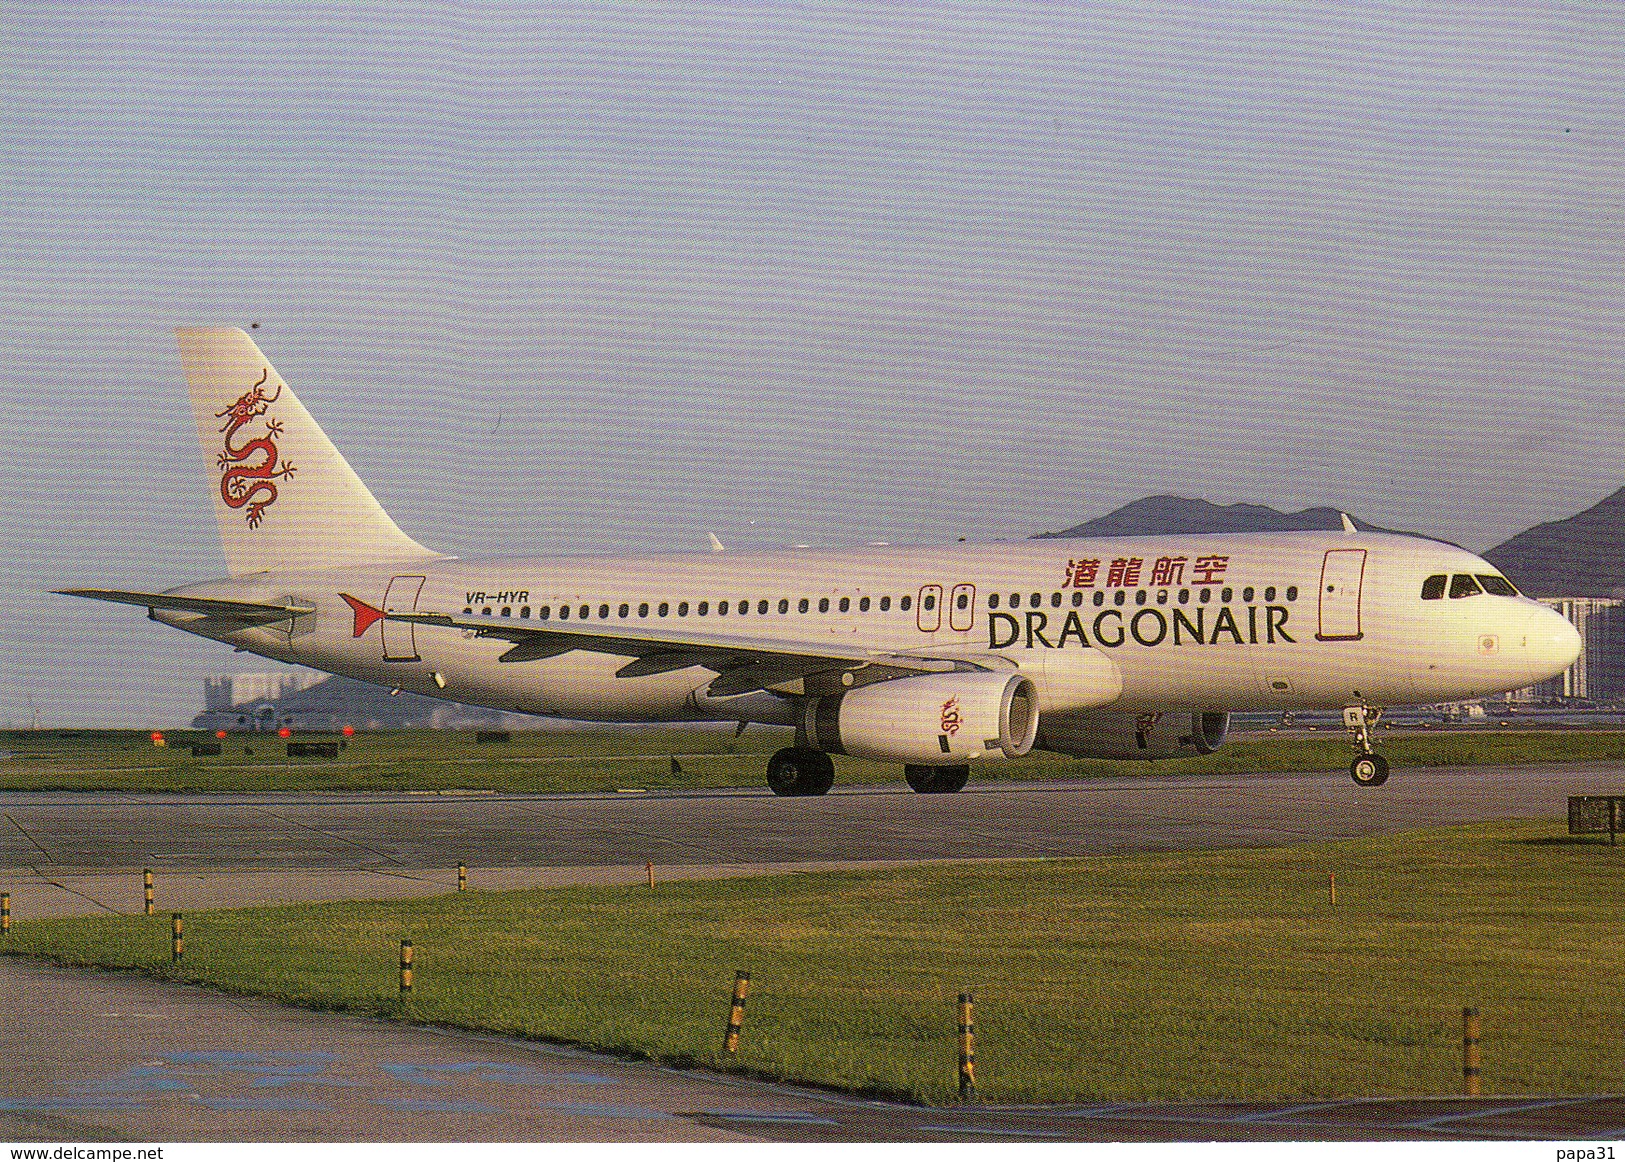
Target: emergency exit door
[(1341, 576)]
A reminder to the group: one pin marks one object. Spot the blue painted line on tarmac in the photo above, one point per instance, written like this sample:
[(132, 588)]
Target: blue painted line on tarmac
[(265, 1061), (499, 1072), (288, 1104), (284, 1080), (142, 1079), (1002, 1131), (794, 1119), (587, 1109), (33, 1104), (410, 1106)]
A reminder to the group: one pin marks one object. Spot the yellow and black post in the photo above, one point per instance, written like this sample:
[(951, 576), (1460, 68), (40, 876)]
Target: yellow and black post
[(406, 966), (967, 1047), (462, 877), (5, 913), (1469, 1052), (176, 941), (146, 887), (736, 1014)]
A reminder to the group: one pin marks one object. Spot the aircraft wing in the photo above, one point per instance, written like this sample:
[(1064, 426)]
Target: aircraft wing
[(743, 663), (240, 614)]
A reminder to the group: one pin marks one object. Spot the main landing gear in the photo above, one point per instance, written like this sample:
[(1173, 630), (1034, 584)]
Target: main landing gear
[(936, 780), (800, 770), (1369, 769)]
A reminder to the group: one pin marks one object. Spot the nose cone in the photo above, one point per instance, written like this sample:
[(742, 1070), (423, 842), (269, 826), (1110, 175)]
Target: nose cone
[(1551, 643)]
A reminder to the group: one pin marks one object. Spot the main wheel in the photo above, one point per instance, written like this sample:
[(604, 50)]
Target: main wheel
[(1369, 770), (936, 780), (798, 770)]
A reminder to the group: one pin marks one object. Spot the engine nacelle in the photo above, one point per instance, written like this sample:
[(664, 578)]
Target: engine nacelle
[(932, 720), (1119, 734)]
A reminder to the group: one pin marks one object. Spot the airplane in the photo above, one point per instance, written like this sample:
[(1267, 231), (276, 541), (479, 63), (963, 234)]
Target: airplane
[(932, 657)]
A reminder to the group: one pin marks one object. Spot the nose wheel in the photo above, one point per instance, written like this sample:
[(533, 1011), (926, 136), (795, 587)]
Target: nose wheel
[(1369, 769)]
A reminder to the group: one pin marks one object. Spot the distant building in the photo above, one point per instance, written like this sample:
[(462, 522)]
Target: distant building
[(308, 700), (1598, 675)]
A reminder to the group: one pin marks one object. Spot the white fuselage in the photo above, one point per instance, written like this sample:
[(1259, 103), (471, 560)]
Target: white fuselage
[(1221, 622)]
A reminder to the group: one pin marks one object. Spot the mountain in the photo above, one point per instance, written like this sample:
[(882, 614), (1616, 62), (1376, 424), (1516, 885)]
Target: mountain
[(1583, 556), (1175, 515)]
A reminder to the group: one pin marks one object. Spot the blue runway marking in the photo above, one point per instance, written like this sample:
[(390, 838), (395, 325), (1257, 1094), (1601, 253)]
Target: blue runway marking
[(1003, 1131), (87, 1102), (141, 1079), (272, 1069), (499, 1072), (439, 1107), (587, 1109), (794, 1119), (227, 1104)]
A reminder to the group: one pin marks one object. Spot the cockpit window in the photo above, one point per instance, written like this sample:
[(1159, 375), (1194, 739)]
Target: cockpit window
[(1463, 585), (1433, 587), (1497, 585)]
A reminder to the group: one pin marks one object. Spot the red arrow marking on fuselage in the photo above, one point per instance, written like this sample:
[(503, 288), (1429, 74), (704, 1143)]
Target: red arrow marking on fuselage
[(365, 614)]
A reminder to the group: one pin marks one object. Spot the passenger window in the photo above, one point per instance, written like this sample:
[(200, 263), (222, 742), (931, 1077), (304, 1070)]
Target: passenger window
[(507, 611), (1205, 596), (744, 608), (722, 609), (586, 611), (1269, 593), (682, 609), (1291, 592), (643, 609), (624, 609), (863, 605), (1184, 597), (564, 612), (823, 605), (1055, 600), (1247, 593), (1497, 585), (705, 608), (784, 605), (1463, 585), (1036, 600), (1077, 598), (963, 601), (1100, 598), (761, 606), (992, 600), (801, 606), (930, 601), (486, 612), (1227, 595), (885, 604), (545, 612), (905, 603), (524, 611), (603, 610), (1162, 597), (468, 609), (665, 608), (1139, 597), (1015, 600), (846, 605), (1120, 597), (1433, 587)]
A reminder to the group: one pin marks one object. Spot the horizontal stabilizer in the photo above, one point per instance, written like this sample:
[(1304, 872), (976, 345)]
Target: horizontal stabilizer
[(245, 613)]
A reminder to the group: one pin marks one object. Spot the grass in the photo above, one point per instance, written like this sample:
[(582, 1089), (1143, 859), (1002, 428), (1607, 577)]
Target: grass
[(546, 761), (1180, 976)]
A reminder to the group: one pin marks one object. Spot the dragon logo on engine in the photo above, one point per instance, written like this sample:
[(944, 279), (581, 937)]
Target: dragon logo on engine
[(952, 719), (244, 483)]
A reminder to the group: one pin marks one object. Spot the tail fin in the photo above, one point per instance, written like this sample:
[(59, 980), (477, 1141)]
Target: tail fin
[(284, 496)]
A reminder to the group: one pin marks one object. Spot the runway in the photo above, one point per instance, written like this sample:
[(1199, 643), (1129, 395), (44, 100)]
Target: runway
[(138, 1059)]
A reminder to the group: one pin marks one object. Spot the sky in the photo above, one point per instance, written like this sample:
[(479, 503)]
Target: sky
[(609, 276)]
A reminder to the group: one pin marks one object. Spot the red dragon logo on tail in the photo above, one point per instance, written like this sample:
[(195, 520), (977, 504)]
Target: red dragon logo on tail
[(252, 484)]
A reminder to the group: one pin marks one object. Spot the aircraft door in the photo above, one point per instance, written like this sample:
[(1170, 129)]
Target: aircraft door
[(928, 609), (1341, 576), (400, 638), (962, 607)]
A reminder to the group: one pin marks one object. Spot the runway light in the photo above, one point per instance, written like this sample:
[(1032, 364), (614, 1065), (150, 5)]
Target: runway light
[(284, 733), (158, 738), (349, 731), (220, 734)]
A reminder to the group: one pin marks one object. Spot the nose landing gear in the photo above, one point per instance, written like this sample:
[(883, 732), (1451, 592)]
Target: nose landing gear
[(1369, 769)]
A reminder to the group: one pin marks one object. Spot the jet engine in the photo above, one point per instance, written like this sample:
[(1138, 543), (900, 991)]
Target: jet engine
[(1121, 734), (931, 720)]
